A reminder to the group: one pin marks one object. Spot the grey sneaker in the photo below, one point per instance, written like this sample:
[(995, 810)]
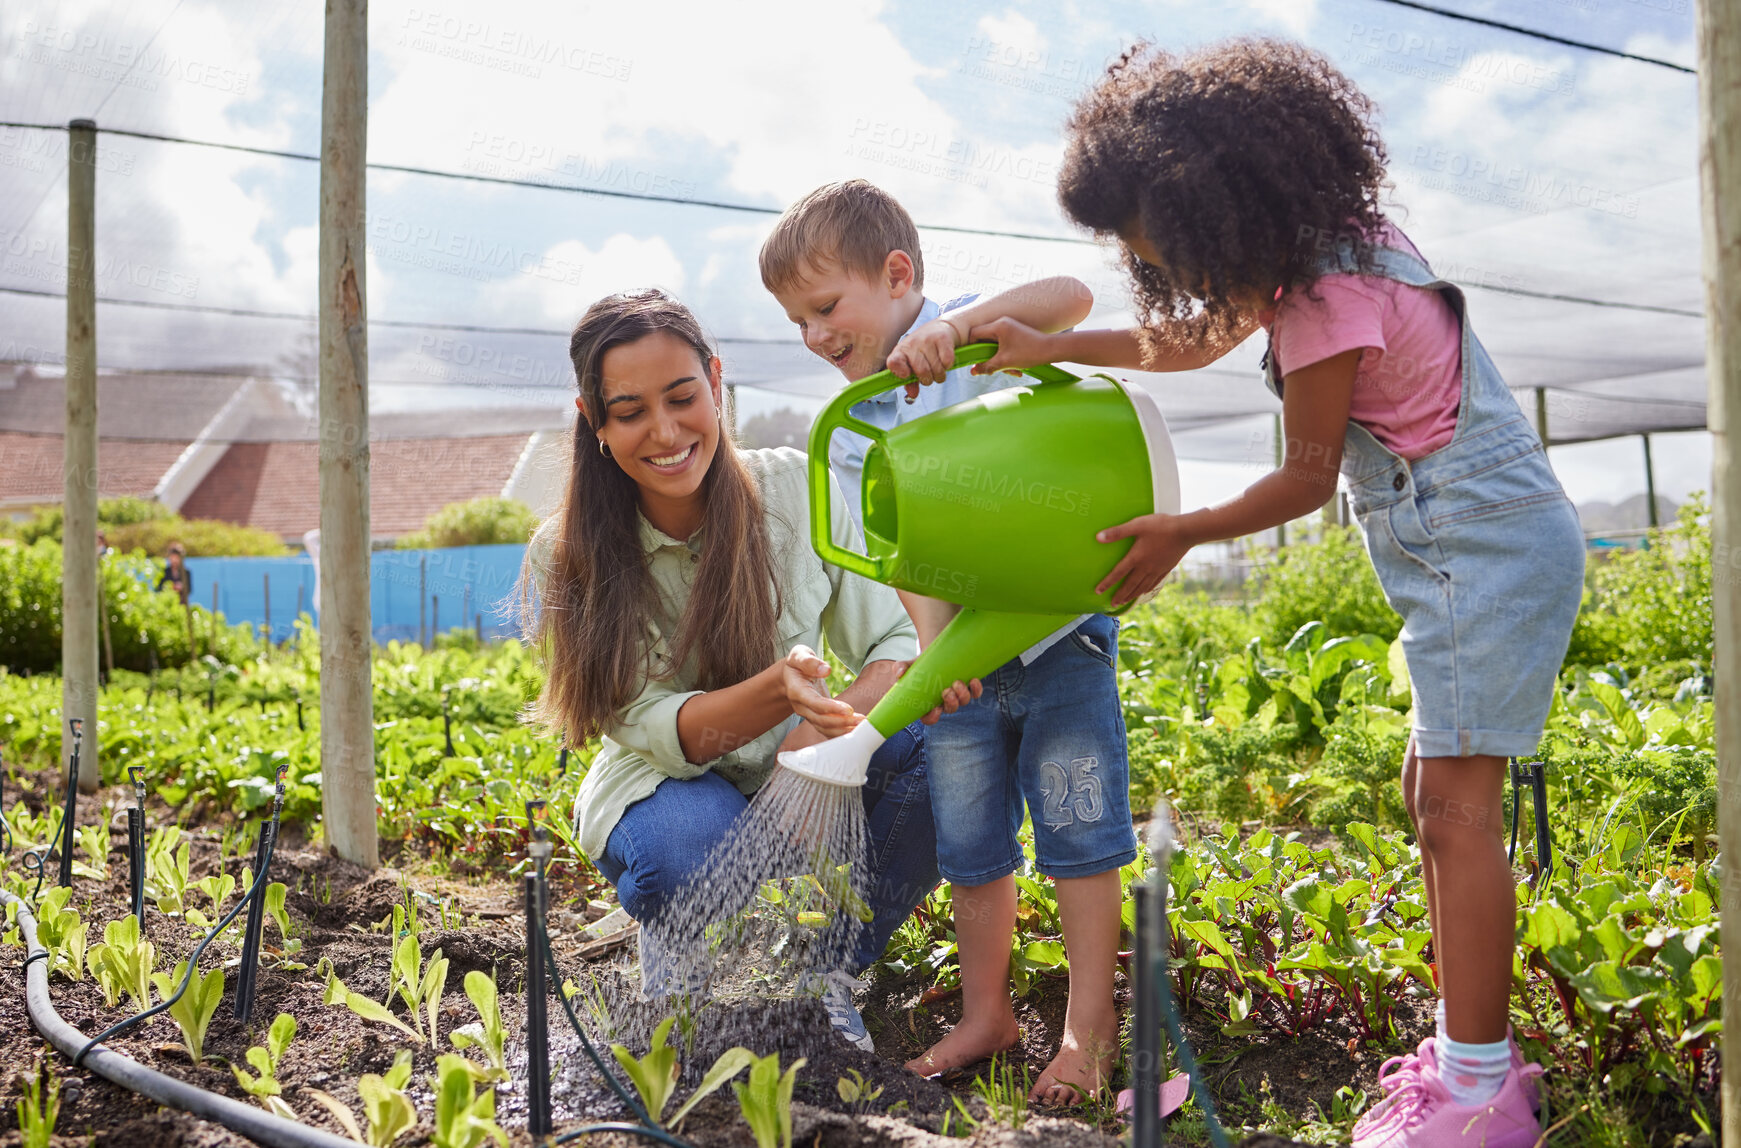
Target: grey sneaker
[(836, 990)]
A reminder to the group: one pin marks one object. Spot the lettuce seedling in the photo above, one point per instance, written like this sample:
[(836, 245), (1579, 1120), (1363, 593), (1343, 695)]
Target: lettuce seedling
[(420, 986), (766, 1100), (490, 1034), (122, 962), (59, 930), (265, 1087), (654, 1075), (275, 893), (385, 1104), (338, 994), (167, 869), (463, 1119), (731, 1062), (94, 839), (217, 888), (194, 1011)]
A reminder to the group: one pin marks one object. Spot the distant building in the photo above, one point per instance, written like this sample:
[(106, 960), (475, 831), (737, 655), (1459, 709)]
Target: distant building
[(243, 449)]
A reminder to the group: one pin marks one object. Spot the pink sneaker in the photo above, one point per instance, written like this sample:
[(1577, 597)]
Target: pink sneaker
[(1394, 1071), (1417, 1112)]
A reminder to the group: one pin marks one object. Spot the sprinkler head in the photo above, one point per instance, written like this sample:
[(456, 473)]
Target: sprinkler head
[(842, 761), (539, 848)]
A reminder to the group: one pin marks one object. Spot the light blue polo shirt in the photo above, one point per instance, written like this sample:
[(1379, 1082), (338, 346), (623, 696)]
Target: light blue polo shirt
[(890, 409)]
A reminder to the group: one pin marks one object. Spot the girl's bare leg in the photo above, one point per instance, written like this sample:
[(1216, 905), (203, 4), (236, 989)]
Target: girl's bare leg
[(1471, 897)]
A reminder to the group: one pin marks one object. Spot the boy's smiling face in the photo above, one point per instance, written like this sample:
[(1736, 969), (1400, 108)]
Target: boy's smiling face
[(850, 319)]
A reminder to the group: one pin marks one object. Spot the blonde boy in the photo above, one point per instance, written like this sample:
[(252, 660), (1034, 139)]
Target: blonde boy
[(1048, 734)]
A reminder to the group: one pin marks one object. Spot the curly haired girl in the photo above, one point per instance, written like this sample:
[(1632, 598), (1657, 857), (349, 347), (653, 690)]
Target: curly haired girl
[(1243, 182)]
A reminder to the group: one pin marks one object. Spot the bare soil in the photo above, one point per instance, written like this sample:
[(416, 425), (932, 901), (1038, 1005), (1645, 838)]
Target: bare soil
[(340, 912)]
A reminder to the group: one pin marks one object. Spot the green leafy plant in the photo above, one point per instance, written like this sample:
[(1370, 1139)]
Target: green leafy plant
[(94, 840), (265, 1059), (122, 962), (194, 1011), (166, 869), (654, 1075), (480, 522), (1006, 1098), (488, 1033), (39, 1108), (463, 1119), (420, 986), (217, 889), (337, 994), (275, 894), (731, 1062), (386, 1106), (766, 1100), (59, 930), (854, 1090)]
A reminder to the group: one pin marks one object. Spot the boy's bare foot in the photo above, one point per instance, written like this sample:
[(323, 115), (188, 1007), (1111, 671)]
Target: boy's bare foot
[(966, 1043), (1076, 1074)]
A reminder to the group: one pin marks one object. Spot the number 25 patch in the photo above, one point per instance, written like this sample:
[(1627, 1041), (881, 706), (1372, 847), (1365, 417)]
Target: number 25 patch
[(1073, 794)]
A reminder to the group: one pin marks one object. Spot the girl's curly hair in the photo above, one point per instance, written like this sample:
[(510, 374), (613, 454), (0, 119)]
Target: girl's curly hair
[(1241, 163)]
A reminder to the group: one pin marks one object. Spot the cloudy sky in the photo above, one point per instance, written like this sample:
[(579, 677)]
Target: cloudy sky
[(1520, 166)]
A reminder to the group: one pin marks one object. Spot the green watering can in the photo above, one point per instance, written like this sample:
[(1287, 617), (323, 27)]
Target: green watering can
[(992, 504)]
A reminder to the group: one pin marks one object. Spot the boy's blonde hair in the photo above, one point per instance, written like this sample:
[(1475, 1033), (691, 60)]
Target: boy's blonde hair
[(853, 224)]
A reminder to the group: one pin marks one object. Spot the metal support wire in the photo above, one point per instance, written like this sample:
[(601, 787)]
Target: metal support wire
[(254, 893), (136, 844)]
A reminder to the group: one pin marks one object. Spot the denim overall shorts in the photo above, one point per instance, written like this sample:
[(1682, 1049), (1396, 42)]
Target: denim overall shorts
[(1476, 546)]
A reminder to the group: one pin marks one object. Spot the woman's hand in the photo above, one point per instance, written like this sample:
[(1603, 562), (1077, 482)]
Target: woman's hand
[(957, 695), (805, 677), (1160, 544)]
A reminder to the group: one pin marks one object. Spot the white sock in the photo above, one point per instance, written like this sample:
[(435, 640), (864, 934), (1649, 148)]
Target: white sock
[(1472, 1073), (1439, 1034)]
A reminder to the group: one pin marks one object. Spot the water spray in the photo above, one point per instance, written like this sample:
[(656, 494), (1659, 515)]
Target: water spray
[(1535, 773)]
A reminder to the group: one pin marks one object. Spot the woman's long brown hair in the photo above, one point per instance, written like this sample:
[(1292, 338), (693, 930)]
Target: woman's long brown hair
[(586, 593)]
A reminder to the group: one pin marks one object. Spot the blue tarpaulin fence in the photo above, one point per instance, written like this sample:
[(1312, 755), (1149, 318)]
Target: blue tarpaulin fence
[(411, 592)]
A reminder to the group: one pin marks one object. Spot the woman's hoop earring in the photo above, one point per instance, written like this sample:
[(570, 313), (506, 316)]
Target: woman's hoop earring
[(604, 448)]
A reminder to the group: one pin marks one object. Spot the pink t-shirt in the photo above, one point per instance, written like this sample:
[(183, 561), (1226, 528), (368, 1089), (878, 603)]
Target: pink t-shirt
[(1408, 383)]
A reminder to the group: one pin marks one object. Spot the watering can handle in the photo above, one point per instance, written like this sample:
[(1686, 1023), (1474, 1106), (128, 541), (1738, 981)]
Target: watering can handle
[(837, 416)]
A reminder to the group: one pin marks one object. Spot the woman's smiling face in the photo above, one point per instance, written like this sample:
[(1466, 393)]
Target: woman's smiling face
[(662, 411)]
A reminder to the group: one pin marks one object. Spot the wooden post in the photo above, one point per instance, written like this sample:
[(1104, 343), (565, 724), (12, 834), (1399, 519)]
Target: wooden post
[(78, 549), (1719, 28), (1649, 484), (347, 732)]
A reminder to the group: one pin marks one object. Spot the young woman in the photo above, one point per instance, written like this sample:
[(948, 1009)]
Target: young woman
[(679, 605)]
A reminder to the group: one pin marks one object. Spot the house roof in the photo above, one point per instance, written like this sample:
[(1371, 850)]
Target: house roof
[(254, 461), (276, 486)]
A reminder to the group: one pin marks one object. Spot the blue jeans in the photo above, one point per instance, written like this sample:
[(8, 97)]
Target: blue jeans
[(1048, 737), (662, 840)]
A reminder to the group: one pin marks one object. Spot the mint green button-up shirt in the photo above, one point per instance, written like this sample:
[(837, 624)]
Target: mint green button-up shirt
[(863, 620)]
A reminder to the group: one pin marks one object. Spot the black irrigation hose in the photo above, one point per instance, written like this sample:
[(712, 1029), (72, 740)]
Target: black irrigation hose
[(258, 889), (245, 1119)]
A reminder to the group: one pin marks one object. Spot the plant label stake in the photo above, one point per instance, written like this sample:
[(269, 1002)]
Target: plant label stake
[(136, 844), (537, 1021), (72, 800), (250, 969)]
